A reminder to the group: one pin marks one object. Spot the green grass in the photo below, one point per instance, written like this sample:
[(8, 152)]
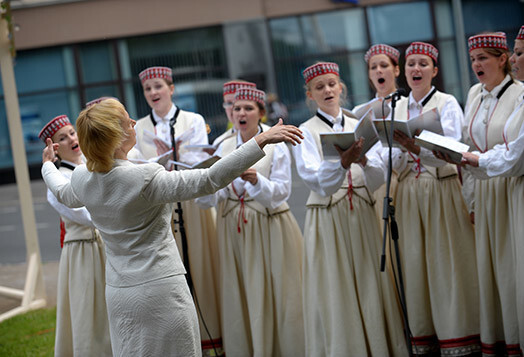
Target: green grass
[(30, 334)]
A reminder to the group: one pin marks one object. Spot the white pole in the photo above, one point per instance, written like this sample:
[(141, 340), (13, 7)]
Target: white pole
[(462, 51), (34, 275)]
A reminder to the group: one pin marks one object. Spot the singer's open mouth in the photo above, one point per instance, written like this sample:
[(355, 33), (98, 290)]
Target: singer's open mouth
[(381, 80), (417, 78), (329, 98), (480, 73)]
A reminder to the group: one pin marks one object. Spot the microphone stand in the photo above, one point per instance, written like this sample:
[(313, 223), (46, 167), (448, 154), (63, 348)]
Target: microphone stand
[(388, 214), (180, 213)]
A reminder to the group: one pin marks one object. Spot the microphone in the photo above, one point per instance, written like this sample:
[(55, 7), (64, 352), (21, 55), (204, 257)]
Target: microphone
[(398, 93)]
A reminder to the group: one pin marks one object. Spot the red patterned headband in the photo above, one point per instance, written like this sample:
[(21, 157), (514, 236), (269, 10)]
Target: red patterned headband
[(250, 94), (53, 126), (422, 48), (232, 86), (520, 35), (382, 49), (319, 69), (156, 72), (492, 40)]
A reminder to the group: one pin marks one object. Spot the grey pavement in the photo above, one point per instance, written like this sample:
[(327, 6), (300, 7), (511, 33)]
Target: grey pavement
[(13, 264)]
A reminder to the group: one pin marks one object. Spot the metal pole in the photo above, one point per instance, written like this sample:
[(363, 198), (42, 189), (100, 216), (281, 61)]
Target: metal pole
[(19, 158), (462, 51)]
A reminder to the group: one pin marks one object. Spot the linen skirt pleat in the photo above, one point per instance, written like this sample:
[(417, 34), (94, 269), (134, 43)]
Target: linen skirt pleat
[(350, 306), (82, 327), (261, 283), (437, 248), (496, 262), (516, 198)]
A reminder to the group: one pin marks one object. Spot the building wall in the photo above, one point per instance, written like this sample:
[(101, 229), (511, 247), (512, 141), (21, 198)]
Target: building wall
[(72, 52), (94, 20)]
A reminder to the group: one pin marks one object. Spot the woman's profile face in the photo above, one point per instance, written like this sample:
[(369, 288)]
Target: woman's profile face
[(67, 140), (158, 94), (128, 125), (517, 60)]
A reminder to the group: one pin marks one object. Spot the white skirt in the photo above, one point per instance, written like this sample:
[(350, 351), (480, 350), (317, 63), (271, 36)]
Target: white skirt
[(157, 318), (350, 307), (497, 267), (82, 326), (261, 283), (437, 246)]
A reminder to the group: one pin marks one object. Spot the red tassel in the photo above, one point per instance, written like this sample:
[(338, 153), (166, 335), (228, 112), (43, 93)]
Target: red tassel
[(350, 190), (62, 233), (418, 167)]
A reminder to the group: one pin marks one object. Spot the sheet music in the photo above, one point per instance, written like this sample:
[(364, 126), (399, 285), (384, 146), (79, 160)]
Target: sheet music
[(436, 142), (364, 129)]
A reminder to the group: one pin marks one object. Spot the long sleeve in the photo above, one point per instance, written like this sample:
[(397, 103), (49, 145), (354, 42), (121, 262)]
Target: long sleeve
[(198, 137), (452, 121), (273, 191), (59, 186), (77, 215), (322, 176), (212, 200), (188, 184), (500, 161), (375, 169)]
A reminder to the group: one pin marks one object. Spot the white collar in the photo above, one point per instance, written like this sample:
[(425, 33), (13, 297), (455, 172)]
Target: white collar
[(167, 118), (332, 119), (413, 102)]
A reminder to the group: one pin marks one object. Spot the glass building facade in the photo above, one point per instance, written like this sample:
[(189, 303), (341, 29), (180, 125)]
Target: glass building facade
[(271, 52)]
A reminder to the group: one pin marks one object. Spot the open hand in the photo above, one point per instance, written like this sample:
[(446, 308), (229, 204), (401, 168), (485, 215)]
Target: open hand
[(50, 152), (350, 155), (280, 133), (250, 175)]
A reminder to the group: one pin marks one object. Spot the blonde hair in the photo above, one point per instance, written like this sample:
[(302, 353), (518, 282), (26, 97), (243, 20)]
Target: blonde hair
[(100, 133), (312, 105)]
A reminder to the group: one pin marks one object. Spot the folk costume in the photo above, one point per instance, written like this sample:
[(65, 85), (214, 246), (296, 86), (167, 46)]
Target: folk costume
[(487, 114), (261, 258), (345, 295), (150, 309), (380, 193), (199, 224), (437, 242), (82, 326)]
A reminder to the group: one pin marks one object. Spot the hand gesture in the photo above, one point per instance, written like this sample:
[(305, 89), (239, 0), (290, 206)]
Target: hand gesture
[(406, 142), (351, 155), (280, 133), (250, 175), (50, 152)]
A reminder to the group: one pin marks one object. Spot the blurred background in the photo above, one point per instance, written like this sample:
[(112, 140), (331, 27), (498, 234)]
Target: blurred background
[(72, 51)]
